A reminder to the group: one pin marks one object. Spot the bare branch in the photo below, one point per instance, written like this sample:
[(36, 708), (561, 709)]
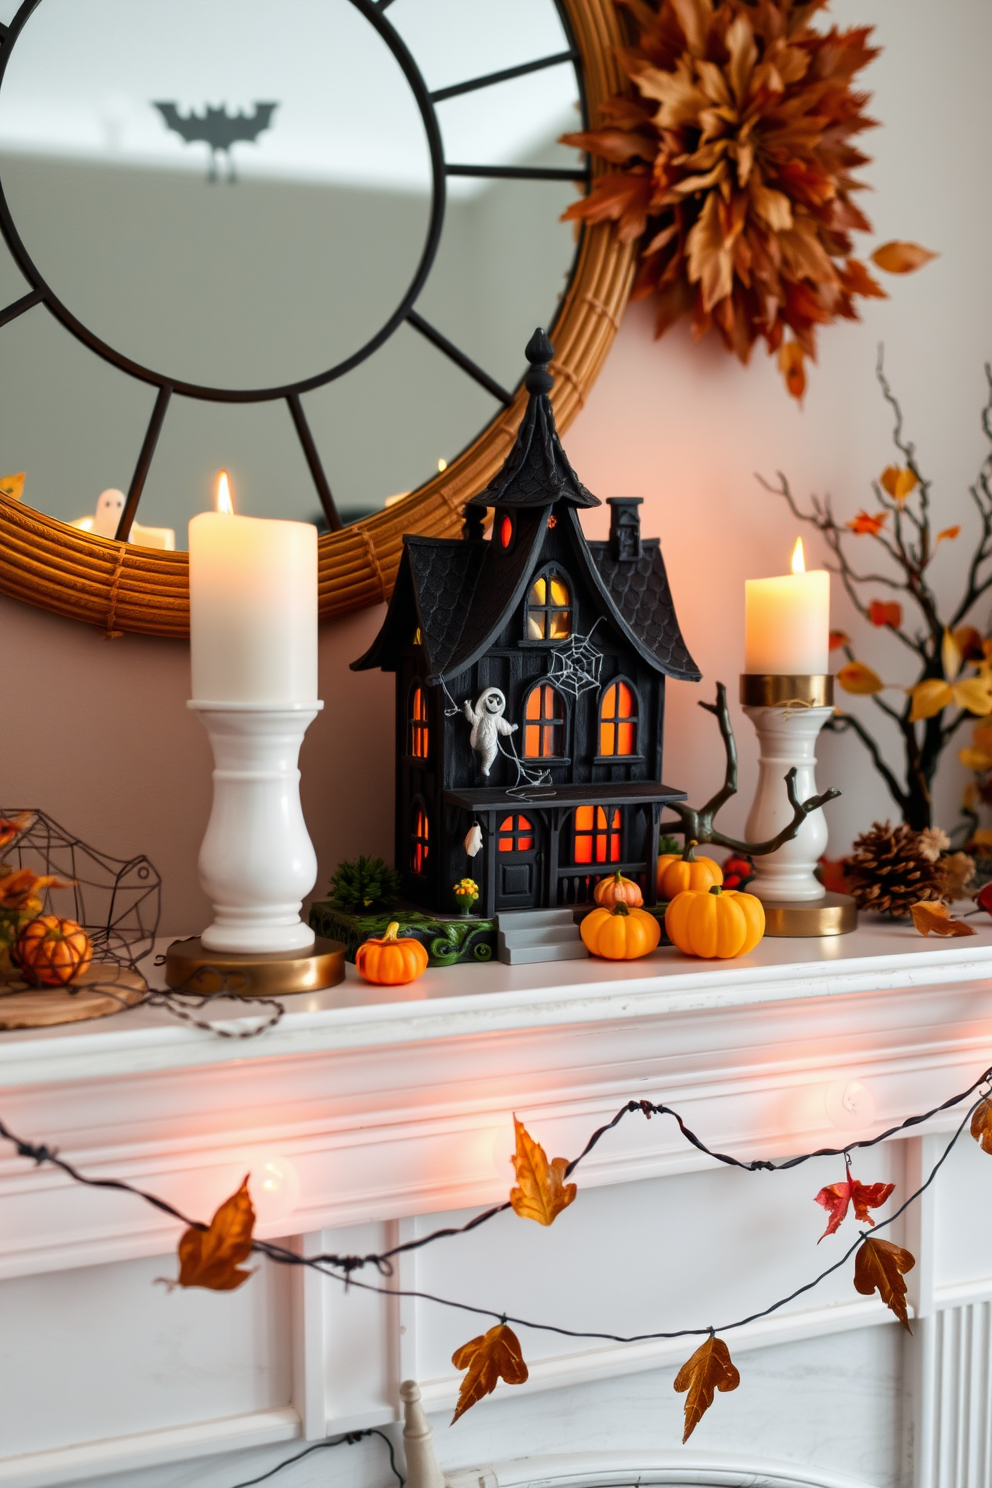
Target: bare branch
[(840, 724)]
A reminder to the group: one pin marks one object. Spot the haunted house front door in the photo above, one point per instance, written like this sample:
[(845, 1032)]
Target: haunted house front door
[(520, 861)]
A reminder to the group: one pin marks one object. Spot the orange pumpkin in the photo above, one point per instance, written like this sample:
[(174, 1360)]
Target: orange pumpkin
[(715, 922), (620, 934), (52, 952), (617, 890), (676, 873), (388, 961)]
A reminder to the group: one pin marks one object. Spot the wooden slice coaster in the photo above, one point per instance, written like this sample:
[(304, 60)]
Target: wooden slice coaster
[(101, 990)]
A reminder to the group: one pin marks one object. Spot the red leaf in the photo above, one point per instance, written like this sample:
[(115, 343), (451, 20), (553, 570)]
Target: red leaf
[(885, 612), (838, 1197), (865, 524), (839, 638)]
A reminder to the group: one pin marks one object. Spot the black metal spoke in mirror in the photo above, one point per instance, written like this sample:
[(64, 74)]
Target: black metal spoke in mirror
[(309, 232)]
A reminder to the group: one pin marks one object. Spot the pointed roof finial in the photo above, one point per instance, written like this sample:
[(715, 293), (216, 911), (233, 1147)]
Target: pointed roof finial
[(536, 472)]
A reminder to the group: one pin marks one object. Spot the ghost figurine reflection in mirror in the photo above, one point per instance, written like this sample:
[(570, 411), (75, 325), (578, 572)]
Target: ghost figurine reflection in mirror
[(103, 522)]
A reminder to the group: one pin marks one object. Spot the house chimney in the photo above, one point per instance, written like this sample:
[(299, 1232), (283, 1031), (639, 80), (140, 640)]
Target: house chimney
[(625, 527)]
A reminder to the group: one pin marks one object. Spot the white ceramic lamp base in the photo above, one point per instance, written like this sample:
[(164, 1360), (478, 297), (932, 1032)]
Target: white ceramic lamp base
[(257, 861)]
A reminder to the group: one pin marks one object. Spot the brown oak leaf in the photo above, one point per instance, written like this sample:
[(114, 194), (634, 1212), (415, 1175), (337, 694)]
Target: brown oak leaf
[(981, 1125), (902, 258), (489, 1358), (838, 1197), (542, 1192), (710, 1368), (936, 919), (879, 1266), (210, 1258)]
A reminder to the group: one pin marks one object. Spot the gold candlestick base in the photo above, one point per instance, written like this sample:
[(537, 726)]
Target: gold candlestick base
[(834, 914), (189, 966)]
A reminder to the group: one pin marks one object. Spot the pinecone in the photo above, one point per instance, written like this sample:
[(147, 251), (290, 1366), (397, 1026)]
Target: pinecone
[(889, 869)]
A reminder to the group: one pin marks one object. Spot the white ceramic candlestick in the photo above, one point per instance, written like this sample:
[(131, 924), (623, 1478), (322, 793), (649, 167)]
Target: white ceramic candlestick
[(257, 861), (787, 739)]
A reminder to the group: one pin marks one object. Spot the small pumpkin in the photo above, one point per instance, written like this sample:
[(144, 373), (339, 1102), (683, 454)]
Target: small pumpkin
[(619, 933), (52, 952), (388, 961), (715, 922), (677, 873), (617, 890)]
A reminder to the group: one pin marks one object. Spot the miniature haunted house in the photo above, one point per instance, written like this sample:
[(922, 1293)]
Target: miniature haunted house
[(530, 688)]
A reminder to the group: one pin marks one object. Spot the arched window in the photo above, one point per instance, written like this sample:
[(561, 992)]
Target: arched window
[(596, 835), (419, 736), (618, 720), (516, 834), (544, 723), (549, 608), (419, 838)]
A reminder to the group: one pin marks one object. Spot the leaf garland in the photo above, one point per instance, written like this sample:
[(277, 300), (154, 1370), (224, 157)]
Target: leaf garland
[(709, 1369), (837, 1198), (211, 1257), (489, 1358), (879, 1266), (542, 1192), (735, 163)]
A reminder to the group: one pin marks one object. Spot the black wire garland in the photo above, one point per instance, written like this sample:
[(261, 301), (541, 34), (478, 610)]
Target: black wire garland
[(349, 1439), (342, 1268)]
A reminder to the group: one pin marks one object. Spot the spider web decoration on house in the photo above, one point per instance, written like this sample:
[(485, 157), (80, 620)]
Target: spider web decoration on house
[(117, 901), (576, 665)]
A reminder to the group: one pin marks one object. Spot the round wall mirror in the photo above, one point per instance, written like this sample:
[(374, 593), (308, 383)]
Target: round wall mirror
[(303, 241)]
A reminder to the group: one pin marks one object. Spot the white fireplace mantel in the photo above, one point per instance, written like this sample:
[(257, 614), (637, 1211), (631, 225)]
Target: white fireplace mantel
[(380, 1110)]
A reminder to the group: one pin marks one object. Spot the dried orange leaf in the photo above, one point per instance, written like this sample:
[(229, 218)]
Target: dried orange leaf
[(22, 888), (13, 826), (864, 524), (879, 1266), (899, 481), (885, 612), (489, 1358), (901, 258), (839, 638), (838, 1197), (12, 485), (791, 364), (542, 1192), (936, 919), (981, 1125), (947, 534), (858, 678), (210, 1258), (710, 1368)]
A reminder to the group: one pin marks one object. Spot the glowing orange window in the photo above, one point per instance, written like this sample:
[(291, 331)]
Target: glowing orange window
[(549, 609), (420, 734), (516, 834), (596, 835), (618, 720), (420, 846), (544, 723)]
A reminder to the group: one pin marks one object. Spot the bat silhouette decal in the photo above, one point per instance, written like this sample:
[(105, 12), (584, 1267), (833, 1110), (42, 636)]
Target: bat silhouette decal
[(218, 129)]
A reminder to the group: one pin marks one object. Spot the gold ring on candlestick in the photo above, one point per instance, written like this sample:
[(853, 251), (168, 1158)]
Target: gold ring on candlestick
[(811, 691), (190, 967), (834, 914)]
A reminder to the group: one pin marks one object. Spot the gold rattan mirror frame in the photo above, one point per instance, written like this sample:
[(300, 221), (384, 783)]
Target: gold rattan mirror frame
[(120, 587)]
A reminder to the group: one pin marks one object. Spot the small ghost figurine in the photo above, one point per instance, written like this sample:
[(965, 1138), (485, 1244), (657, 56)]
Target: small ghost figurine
[(108, 513), (488, 723), (473, 840)]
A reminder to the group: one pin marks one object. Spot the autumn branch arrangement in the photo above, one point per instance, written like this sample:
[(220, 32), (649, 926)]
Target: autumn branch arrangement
[(213, 1255), (951, 659)]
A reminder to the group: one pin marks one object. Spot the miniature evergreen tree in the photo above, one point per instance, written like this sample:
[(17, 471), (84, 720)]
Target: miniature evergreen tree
[(364, 885)]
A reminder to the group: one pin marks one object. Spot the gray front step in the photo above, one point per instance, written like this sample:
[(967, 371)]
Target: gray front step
[(528, 936)]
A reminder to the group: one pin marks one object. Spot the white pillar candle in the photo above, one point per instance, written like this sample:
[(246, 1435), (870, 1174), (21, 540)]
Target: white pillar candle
[(787, 622), (252, 609)]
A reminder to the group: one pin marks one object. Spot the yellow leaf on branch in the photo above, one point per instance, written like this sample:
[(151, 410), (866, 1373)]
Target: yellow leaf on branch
[(973, 695), (489, 1358), (12, 485), (898, 481), (860, 679), (880, 1266), (542, 1192), (710, 1368), (902, 258), (210, 1258)]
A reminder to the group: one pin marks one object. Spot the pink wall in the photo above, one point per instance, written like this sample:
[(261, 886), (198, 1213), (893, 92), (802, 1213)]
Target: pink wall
[(98, 733)]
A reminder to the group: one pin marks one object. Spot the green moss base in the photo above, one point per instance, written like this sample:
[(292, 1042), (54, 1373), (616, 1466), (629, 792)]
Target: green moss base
[(448, 942)]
